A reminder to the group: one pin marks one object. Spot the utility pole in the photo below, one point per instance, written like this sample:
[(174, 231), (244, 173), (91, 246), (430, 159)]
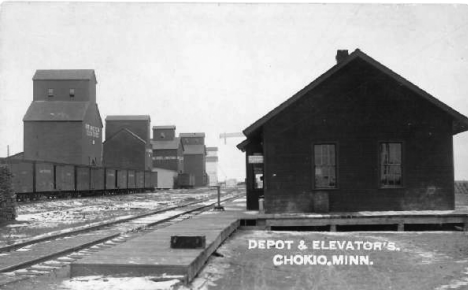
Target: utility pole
[(230, 135)]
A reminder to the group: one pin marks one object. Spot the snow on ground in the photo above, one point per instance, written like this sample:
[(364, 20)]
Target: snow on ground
[(427, 260), (125, 283), (57, 215)]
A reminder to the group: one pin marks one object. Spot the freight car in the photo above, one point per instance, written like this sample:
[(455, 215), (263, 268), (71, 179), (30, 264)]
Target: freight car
[(185, 180), (34, 179)]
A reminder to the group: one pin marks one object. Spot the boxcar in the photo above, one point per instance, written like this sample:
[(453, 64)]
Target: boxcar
[(45, 177), (82, 178), (64, 177), (186, 180), (140, 179), (154, 180), (147, 179), (131, 179), (97, 179), (23, 176), (111, 179), (122, 179)]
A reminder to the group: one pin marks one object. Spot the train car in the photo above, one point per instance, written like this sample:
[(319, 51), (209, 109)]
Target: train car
[(140, 180), (122, 179), (131, 184), (83, 176), (64, 179), (45, 178), (154, 180), (22, 177), (33, 179), (97, 180), (186, 180), (147, 180), (111, 180)]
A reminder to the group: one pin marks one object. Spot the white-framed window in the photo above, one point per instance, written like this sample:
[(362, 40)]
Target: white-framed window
[(50, 93), (72, 93)]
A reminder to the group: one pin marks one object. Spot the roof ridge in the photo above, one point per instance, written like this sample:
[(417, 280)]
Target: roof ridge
[(125, 130), (462, 120)]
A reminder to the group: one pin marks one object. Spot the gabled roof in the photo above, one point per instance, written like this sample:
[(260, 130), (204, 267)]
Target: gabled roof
[(65, 74), (166, 144), (56, 111), (19, 155), (194, 149), (128, 118), (460, 121), (125, 131)]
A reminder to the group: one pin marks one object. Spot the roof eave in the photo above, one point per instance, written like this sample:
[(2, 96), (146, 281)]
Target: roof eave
[(457, 117), (241, 146)]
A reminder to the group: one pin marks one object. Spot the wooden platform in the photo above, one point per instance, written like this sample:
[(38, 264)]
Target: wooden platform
[(151, 254), (397, 218)]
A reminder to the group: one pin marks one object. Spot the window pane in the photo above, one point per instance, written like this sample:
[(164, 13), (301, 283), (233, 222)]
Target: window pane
[(324, 166), (390, 164)]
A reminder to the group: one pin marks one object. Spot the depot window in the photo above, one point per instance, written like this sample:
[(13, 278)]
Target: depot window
[(390, 165), (325, 166), (72, 93), (51, 93)]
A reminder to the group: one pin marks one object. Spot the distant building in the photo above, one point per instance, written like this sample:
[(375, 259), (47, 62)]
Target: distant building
[(168, 155), (194, 156), (358, 138), (212, 165), (127, 142), (125, 149), (167, 149), (63, 123)]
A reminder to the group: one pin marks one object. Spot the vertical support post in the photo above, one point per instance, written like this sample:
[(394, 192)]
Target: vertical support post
[(219, 206)]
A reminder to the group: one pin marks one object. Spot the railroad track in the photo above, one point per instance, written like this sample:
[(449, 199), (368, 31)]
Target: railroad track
[(45, 199), (47, 254)]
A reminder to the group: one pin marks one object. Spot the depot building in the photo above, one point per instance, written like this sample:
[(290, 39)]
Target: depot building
[(358, 138)]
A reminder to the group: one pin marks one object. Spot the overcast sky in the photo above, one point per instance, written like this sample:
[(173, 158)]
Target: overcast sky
[(217, 68)]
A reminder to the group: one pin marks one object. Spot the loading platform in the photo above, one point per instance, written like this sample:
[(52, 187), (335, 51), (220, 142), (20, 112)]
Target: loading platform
[(401, 220), (152, 255)]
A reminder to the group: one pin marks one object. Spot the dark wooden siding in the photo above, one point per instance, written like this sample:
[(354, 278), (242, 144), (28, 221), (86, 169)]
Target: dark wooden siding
[(163, 159), (140, 127), (163, 134), (125, 151), (53, 141), (356, 109), (195, 164), (83, 90)]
